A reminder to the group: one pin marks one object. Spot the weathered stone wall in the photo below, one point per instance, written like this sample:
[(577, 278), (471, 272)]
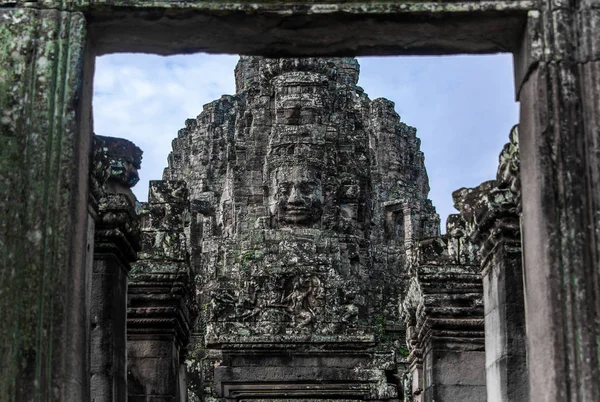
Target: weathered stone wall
[(43, 205)]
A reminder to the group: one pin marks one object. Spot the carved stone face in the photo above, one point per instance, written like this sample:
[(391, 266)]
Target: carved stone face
[(299, 103), (296, 195)]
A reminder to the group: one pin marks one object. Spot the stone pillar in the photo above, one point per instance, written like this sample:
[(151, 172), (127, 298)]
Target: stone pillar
[(498, 234), (45, 111), (444, 312), (558, 82), (116, 244), (160, 301)]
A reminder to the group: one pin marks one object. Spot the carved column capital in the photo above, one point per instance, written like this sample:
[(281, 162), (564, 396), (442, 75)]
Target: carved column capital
[(497, 221), (115, 163), (117, 227), (443, 304)]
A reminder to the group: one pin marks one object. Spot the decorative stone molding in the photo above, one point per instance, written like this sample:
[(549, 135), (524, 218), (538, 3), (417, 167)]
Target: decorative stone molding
[(114, 171), (444, 315), (496, 214), (117, 227)]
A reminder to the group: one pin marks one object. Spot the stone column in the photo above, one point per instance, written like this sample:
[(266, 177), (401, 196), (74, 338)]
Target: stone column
[(45, 111), (558, 82), (160, 301), (444, 312), (498, 234), (116, 244)]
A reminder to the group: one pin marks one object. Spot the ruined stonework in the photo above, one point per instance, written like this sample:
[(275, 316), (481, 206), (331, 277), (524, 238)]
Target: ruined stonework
[(161, 306), (304, 197), (443, 312), (466, 336)]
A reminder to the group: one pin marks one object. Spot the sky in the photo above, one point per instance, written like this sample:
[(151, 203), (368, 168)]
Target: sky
[(462, 106)]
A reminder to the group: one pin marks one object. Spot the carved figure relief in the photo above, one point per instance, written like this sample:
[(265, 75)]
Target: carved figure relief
[(246, 307), (302, 298), (349, 309)]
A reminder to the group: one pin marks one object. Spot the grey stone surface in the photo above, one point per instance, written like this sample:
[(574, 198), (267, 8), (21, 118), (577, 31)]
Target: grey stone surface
[(559, 159)]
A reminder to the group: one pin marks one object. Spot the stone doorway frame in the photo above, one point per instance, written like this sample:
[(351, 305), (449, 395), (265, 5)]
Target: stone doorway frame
[(556, 48)]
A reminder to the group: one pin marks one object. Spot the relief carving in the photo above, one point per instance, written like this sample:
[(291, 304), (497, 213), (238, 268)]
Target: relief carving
[(302, 298)]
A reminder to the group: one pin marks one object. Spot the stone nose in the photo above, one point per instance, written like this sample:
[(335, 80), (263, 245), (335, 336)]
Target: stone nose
[(295, 196)]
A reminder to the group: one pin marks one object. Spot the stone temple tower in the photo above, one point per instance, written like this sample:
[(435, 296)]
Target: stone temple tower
[(305, 198)]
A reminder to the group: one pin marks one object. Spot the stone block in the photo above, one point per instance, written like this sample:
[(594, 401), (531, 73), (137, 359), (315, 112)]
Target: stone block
[(163, 245), (505, 379), (459, 368), (152, 377), (463, 393), (139, 348)]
